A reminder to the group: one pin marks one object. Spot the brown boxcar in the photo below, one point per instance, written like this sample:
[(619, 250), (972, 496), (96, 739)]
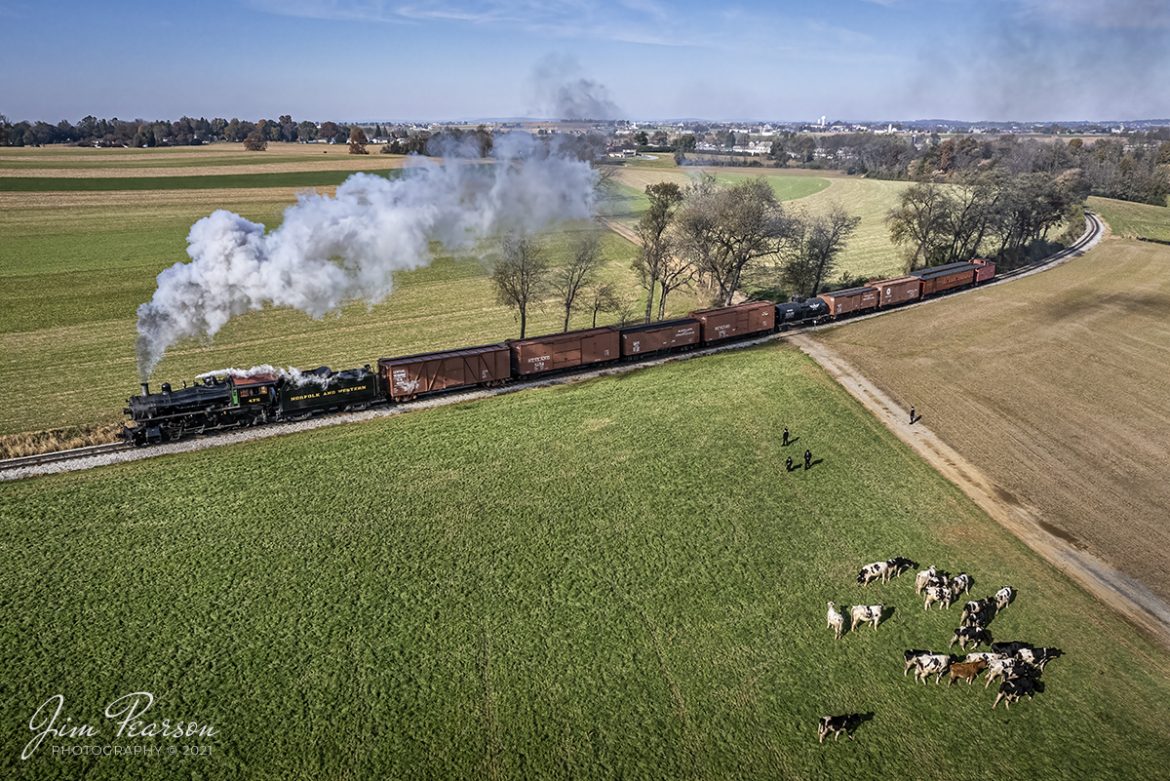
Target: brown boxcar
[(985, 270), (728, 322), (892, 292), (854, 299), (939, 279), (414, 375), (564, 351), (659, 337)]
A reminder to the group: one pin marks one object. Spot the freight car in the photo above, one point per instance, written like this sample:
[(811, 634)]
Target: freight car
[(232, 399), (854, 300), (943, 279)]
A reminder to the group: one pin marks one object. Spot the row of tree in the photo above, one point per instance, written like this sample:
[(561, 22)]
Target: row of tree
[(185, 131), (1007, 217), (1134, 168), (706, 236)]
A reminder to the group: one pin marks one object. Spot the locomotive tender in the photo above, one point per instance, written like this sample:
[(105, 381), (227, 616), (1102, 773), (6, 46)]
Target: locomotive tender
[(226, 400)]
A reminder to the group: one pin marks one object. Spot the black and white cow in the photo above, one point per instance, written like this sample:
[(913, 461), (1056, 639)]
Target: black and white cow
[(836, 621), (1009, 669), (835, 725), (978, 612), (1009, 648), (1013, 689), (879, 570), (1040, 657), (983, 656), (961, 584), (1004, 597), (971, 635), (925, 578), (866, 614), (911, 658), (931, 664), (940, 594)]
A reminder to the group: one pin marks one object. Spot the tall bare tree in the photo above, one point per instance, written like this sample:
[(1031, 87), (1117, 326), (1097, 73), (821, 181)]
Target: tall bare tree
[(358, 141), (655, 241), (572, 278), (677, 271), (809, 253), (723, 231), (520, 275), (919, 223)]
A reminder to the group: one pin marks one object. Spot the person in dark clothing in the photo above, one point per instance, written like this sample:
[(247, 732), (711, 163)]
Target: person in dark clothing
[(913, 416), (786, 436), (788, 464), (808, 459)]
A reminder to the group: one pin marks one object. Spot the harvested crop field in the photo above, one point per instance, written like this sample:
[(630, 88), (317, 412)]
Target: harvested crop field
[(540, 585), (1055, 386)]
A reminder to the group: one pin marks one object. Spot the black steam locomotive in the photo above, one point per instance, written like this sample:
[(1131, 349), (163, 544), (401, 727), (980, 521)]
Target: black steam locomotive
[(230, 401)]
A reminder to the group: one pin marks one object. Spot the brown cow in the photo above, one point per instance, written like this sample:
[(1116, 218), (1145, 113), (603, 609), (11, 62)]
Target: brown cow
[(968, 671)]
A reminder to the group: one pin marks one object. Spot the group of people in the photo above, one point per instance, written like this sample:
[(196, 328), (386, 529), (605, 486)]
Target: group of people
[(787, 437)]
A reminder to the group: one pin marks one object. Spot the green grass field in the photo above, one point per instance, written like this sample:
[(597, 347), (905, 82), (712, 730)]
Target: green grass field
[(38, 184), (612, 579), (1134, 220)]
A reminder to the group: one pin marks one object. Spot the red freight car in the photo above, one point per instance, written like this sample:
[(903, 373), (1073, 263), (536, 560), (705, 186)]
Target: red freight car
[(413, 375), (985, 270), (892, 292), (728, 322), (662, 336), (850, 301), (554, 352), (940, 279)]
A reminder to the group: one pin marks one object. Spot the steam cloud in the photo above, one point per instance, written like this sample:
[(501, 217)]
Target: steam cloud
[(563, 93), (334, 250)]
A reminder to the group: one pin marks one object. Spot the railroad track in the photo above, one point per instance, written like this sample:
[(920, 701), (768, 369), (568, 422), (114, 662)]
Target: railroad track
[(1093, 229), (63, 455)]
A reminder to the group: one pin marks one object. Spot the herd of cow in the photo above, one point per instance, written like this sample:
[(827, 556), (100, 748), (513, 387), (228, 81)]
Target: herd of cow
[(1016, 665)]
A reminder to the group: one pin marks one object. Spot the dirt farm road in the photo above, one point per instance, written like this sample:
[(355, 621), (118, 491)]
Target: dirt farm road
[(1124, 594)]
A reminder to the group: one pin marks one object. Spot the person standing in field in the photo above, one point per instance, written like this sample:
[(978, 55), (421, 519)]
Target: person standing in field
[(785, 444), (808, 459), (788, 464), (913, 416)]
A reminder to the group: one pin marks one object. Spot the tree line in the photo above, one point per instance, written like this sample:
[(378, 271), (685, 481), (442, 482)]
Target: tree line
[(1133, 168), (185, 131)]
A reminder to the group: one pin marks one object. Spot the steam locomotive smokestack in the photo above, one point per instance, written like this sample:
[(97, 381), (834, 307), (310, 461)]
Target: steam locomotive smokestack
[(146, 389)]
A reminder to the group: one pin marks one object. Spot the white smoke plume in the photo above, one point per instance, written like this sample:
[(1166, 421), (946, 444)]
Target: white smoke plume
[(289, 374), (330, 251)]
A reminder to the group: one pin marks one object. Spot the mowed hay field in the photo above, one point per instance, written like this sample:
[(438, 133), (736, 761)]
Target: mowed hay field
[(612, 579), (1055, 386), (75, 265)]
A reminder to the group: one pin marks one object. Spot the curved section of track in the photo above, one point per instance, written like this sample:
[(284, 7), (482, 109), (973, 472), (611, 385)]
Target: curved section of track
[(117, 452)]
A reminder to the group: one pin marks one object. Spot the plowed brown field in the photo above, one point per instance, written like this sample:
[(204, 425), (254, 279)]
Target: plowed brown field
[(1056, 387)]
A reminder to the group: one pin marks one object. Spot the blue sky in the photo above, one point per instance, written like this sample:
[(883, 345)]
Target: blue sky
[(367, 59)]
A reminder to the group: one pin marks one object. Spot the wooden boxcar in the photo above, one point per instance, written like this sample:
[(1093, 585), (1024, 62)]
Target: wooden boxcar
[(729, 322), (850, 301), (940, 279), (903, 290), (409, 376), (662, 336), (555, 352), (985, 270)]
